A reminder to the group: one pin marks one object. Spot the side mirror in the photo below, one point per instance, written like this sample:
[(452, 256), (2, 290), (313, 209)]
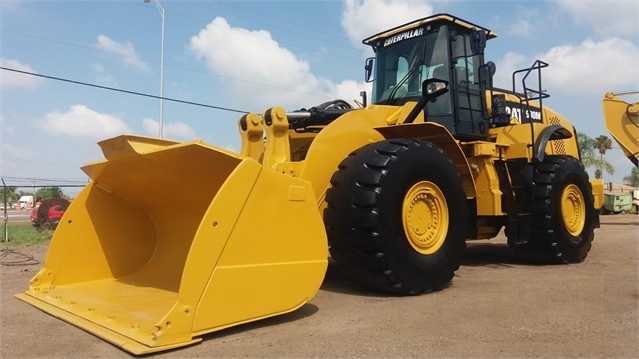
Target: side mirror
[(368, 69), (486, 73), (431, 88), (478, 42)]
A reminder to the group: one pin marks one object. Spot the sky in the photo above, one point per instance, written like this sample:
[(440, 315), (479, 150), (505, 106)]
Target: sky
[(250, 55)]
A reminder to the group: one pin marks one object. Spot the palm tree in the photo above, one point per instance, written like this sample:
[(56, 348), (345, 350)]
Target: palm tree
[(589, 158), (587, 150), (603, 143)]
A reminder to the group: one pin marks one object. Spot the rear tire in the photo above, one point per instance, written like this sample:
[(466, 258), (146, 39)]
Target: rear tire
[(563, 212), (397, 217)]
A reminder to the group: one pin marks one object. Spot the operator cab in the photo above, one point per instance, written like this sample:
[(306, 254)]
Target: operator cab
[(442, 47)]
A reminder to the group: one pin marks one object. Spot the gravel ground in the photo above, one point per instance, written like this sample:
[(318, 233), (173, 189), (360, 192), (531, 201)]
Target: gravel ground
[(497, 307)]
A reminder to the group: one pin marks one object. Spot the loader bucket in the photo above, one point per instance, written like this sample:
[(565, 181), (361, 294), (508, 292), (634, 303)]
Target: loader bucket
[(173, 240), (622, 121)]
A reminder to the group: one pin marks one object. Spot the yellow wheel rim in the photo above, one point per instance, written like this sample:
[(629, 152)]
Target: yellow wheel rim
[(425, 217), (573, 209)]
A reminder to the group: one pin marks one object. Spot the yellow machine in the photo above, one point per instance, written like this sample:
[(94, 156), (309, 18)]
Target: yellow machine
[(172, 240), (622, 121)]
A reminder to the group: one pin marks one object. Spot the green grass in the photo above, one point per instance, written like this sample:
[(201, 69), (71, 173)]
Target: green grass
[(23, 233)]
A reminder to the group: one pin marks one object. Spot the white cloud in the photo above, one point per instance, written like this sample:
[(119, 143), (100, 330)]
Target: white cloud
[(348, 90), (606, 18), (281, 78), (15, 79), (151, 127), (521, 27), (81, 121), (12, 157), (6, 127), (102, 76), (239, 54), (610, 64), (173, 130), (16, 153), (363, 18), (124, 50), (506, 66), (588, 68)]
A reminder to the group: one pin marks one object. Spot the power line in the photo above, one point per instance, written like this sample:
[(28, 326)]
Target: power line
[(70, 44), (250, 34), (262, 16), (123, 91), (32, 179), (30, 182), (155, 62), (51, 185)]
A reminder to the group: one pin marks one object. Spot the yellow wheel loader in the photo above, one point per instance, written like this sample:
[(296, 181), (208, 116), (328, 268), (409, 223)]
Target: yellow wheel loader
[(622, 121), (393, 190)]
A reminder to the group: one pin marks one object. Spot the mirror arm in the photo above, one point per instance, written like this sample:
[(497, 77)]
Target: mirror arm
[(421, 104)]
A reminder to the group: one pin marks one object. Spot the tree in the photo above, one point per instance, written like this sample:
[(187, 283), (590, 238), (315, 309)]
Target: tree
[(633, 178), (589, 158), (602, 144), (49, 192), (587, 150), (8, 194), (24, 193)]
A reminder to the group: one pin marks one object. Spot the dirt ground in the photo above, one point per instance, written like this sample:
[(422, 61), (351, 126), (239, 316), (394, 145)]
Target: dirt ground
[(497, 307)]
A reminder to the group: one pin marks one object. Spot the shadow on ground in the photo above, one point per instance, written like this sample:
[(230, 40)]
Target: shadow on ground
[(493, 255)]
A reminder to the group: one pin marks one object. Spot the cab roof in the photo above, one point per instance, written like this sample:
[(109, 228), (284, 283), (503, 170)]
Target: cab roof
[(438, 18)]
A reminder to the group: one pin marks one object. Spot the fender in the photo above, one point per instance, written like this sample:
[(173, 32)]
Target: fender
[(440, 136), (550, 133)]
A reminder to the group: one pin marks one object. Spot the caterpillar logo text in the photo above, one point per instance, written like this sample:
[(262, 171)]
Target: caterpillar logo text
[(404, 36)]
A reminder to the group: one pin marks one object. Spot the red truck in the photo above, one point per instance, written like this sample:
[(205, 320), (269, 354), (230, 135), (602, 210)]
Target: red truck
[(47, 213)]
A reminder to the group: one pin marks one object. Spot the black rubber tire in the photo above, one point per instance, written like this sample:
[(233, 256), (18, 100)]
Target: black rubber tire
[(551, 240), (364, 217)]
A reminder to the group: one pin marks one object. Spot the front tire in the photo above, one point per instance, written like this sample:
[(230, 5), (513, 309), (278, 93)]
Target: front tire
[(396, 217)]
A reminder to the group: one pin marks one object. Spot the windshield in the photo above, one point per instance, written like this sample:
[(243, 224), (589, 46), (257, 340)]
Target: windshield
[(404, 62)]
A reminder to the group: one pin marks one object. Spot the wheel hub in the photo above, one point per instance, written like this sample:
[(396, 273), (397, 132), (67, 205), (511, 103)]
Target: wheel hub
[(573, 209), (425, 217)]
